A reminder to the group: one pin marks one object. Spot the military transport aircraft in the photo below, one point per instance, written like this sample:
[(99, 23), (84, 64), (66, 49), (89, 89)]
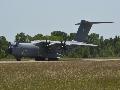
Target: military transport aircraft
[(47, 49)]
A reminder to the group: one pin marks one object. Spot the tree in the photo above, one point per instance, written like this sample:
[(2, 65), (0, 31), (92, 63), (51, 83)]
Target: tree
[(3, 46), (38, 37), (94, 38), (28, 38), (71, 36), (20, 37), (59, 35)]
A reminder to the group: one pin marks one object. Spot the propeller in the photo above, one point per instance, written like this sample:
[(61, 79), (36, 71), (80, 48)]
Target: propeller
[(47, 43), (63, 45), (16, 44)]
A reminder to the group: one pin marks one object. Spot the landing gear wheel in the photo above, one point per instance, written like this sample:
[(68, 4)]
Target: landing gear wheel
[(52, 59), (39, 59), (18, 59)]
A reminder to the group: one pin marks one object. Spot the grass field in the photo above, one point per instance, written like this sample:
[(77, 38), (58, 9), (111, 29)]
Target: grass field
[(67, 75)]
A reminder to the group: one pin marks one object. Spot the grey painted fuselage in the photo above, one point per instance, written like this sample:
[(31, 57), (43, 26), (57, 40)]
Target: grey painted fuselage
[(52, 49), (33, 51)]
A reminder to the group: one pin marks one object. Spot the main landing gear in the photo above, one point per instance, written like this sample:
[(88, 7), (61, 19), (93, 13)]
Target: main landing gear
[(18, 58), (45, 59)]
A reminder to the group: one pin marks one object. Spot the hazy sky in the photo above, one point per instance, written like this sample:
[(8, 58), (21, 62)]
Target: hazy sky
[(45, 16)]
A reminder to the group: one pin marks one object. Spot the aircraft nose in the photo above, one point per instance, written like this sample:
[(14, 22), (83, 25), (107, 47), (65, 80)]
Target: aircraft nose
[(9, 50)]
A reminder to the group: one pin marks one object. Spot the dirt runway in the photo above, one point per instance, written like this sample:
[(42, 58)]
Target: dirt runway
[(66, 60)]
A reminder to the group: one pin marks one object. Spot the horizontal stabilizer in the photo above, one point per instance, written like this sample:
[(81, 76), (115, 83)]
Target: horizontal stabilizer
[(93, 22)]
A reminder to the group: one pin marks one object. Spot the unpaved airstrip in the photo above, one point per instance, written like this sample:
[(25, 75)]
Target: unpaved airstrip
[(62, 60)]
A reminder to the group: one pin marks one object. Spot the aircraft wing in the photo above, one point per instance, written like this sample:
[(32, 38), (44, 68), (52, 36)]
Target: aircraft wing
[(73, 43), (80, 44), (66, 43)]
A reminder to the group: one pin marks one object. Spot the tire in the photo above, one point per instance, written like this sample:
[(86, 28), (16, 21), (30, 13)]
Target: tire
[(18, 59), (53, 59), (39, 59)]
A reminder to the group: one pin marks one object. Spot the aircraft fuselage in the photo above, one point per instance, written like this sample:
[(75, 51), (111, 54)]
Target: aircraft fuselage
[(33, 51)]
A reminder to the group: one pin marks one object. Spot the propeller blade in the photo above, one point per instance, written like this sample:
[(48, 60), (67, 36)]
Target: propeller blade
[(46, 40), (16, 44)]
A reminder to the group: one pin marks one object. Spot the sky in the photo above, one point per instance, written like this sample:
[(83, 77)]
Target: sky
[(44, 16)]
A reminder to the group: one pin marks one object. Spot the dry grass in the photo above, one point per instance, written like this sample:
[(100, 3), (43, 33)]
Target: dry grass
[(68, 75)]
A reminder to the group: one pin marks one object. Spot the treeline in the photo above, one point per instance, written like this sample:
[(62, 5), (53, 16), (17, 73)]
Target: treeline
[(106, 47)]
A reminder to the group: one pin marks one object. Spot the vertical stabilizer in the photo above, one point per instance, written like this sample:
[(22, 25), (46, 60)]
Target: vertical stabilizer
[(83, 30)]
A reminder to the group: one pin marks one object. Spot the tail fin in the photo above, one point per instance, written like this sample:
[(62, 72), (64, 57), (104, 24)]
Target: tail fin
[(83, 30)]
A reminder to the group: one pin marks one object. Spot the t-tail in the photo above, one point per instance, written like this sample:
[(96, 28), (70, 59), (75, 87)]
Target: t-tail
[(83, 30)]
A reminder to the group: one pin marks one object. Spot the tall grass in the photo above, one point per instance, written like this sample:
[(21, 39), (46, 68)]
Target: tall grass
[(67, 75)]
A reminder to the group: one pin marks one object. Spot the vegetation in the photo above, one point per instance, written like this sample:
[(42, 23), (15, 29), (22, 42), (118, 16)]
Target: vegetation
[(106, 47), (3, 46), (71, 75)]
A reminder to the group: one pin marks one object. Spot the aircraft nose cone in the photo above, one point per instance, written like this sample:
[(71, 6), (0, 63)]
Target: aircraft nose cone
[(9, 50)]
